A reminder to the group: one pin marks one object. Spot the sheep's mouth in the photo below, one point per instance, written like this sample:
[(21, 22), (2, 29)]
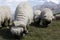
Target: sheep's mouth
[(45, 23), (48, 22)]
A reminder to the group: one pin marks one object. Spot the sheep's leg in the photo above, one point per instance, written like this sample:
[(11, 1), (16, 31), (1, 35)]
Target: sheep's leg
[(25, 30), (4, 24), (28, 22), (10, 22)]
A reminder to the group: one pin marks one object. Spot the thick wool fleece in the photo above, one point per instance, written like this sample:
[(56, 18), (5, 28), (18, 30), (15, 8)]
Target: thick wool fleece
[(47, 14), (23, 16), (37, 14), (5, 13), (24, 13)]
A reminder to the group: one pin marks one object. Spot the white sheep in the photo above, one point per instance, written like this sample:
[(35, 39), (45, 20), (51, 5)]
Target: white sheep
[(46, 16), (5, 15), (37, 14), (23, 17)]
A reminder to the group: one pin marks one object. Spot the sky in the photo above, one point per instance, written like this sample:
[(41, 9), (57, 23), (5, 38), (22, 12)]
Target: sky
[(13, 3)]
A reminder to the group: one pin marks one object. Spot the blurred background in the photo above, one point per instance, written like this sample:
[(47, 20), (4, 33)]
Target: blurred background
[(36, 4)]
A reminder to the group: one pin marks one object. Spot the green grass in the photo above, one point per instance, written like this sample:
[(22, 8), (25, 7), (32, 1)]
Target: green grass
[(37, 33)]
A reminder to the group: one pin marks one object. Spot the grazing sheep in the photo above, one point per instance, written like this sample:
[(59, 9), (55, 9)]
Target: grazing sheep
[(37, 14), (5, 16), (23, 17), (46, 16)]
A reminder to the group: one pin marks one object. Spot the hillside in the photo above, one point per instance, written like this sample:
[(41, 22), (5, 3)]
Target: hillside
[(55, 7)]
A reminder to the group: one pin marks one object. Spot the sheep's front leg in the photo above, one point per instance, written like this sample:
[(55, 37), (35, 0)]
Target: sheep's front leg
[(10, 22), (25, 29)]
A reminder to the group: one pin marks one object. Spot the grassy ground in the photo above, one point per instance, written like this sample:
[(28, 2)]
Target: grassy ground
[(36, 33)]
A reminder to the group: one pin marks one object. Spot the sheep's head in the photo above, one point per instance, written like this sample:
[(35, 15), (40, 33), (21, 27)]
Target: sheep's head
[(48, 17), (16, 30)]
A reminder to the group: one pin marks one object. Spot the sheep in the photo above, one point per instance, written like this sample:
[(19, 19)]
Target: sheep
[(37, 14), (23, 17), (5, 16), (46, 16)]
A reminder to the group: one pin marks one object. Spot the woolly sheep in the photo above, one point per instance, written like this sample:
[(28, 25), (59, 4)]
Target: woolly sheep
[(5, 15), (23, 17), (37, 14), (46, 16)]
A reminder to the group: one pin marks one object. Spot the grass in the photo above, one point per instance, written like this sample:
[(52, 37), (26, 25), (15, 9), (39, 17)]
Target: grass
[(36, 33)]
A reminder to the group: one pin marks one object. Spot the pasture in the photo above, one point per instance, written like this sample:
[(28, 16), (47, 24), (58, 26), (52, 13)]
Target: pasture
[(36, 33)]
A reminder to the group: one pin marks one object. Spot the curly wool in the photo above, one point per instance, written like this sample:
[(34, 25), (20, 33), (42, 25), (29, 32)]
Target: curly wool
[(37, 14), (5, 13), (47, 14), (23, 16), (24, 12)]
